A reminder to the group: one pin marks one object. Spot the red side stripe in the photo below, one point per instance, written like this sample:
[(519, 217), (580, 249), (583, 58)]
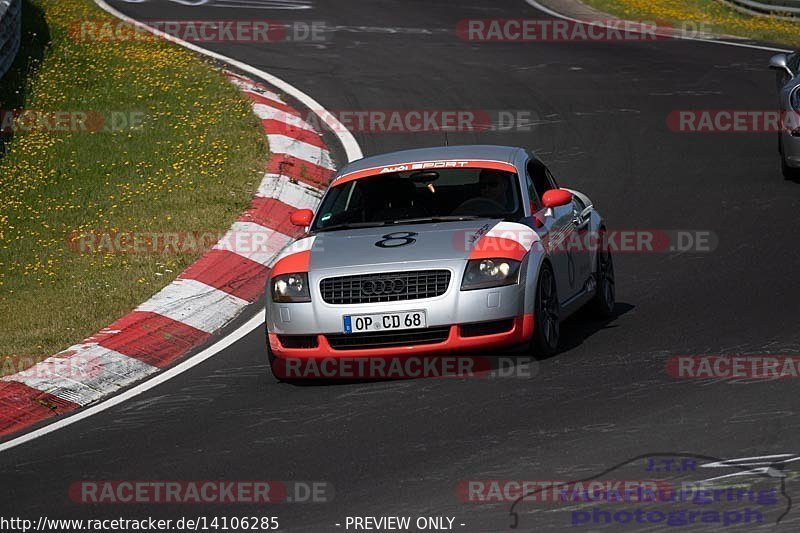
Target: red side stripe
[(230, 272), (490, 247), (292, 264), (21, 406), (301, 170), (152, 338), (272, 214)]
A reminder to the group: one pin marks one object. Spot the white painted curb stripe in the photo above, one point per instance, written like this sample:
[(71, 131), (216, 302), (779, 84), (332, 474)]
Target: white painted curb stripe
[(281, 144), (194, 303), (291, 193), (265, 112), (86, 376), (253, 241)]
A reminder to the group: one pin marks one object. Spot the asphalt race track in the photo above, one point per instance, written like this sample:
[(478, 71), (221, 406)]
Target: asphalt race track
[(401, 448)]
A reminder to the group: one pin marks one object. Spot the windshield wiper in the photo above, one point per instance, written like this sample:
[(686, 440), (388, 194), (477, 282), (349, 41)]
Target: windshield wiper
[(445, 218), (357, 225), (352, 225)]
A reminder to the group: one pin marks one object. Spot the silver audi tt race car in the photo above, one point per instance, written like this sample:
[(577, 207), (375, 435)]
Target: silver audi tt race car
[(787, 67), (438, 250)]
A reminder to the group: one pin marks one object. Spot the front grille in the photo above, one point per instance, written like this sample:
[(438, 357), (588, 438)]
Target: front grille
[(386, 339), (486, 328), (298, 341), (385, 287)]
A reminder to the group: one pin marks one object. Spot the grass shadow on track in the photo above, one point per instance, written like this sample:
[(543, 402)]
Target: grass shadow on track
[(15, 86)]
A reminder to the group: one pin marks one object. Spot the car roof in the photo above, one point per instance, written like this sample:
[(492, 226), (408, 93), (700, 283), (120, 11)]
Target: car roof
[(506, 154)]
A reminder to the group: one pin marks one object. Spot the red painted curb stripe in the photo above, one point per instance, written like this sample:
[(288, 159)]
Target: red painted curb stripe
[(152, 338), (230, 272), (21, 406), (277, 127), (257, 98), (272, 214), (299, 169)]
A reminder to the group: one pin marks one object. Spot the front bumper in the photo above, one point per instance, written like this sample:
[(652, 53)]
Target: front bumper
[(452, 309), (521, 330)]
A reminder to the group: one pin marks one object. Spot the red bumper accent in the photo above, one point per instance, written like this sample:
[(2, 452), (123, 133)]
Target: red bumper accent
[(521, 332)]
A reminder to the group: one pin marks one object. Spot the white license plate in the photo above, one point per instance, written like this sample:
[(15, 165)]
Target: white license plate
[(385, 322)]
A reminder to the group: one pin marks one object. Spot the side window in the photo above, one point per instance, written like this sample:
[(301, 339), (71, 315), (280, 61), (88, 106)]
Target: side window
[(551, 179), (542, 179), (532, 196)]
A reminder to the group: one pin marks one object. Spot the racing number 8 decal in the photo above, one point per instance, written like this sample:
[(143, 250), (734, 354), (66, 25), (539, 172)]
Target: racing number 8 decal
[(403, 238)]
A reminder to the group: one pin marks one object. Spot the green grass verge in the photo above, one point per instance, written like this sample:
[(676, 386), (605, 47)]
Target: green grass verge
[(718, 17), (193, 164)]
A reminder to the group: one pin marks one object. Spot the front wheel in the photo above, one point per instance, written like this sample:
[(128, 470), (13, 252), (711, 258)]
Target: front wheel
[(788, 172), (546, 318), (605, 297)]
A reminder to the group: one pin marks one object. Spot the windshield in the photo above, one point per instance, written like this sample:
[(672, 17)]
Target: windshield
[(440, 195)]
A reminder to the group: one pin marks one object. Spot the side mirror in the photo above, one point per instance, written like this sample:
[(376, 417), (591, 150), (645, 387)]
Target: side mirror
[(556, 197), (302, 218), (779, 62)]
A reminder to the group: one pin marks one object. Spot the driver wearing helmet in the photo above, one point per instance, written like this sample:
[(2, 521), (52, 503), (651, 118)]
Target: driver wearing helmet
[(494, 186)]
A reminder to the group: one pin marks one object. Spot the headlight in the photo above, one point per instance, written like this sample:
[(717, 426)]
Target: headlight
[(486, 273), (291, 288), (794, 99)]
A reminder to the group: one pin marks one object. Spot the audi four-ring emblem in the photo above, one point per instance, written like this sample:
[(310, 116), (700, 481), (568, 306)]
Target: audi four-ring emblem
[(382, 287)]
